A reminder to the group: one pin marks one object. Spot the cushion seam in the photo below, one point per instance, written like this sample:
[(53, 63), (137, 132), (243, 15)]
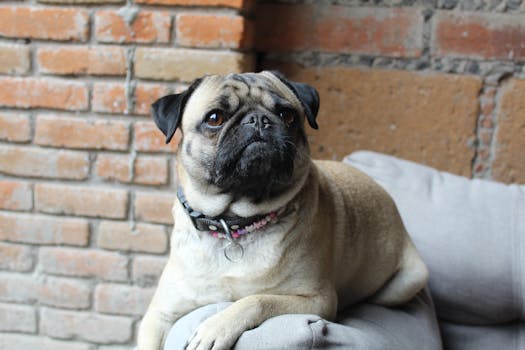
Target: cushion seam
[(313, 336), (517, 268), (517, 271)]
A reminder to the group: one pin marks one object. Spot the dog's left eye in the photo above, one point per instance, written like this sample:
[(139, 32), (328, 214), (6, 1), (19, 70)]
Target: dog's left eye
[(287, 114), (215, 119)]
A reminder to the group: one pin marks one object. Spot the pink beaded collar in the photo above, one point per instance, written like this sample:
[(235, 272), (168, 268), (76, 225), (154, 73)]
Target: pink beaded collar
[(227, 227), (270, 218)]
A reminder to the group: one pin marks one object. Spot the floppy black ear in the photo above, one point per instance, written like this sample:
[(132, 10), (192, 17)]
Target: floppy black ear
[(167, 111), (306, 94)]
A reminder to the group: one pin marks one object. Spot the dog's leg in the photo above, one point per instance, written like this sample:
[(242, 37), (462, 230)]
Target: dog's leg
[(221, 331), (407, 282), (164, 309), (153, 329)]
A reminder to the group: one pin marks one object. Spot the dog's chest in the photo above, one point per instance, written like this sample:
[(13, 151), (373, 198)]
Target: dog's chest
[(206, 273)]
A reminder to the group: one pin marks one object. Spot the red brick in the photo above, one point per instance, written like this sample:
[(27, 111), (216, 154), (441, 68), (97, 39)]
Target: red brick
[(43, 93), (122, 300), (485, 136), (85, 326), (487, 108), (147, 170), (37, 162), (24, 342), (146, 270), (109, 98), (82, 1), (113, 167), (486, 120), (15, 258), (14, 59), (102, 60), (154, 207), (15, 195), (118, 235), (151, 170), (38, 229), (83, 263), (146, 94), (145, 27), (509, 158), (61, 131), (424, 117), (188, 64), (148, 138), (52, 23), (214, 31), (484, 153), (487, 36), (17, 318), (53, 291), (14, 127), (396, 32), (63, 292), (85, 201), (226, 3)]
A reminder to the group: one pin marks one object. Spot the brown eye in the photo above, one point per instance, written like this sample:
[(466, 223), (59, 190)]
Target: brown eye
[(215, 119), (288, 115)]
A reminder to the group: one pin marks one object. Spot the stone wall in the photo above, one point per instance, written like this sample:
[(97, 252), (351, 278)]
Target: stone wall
[(86, 180), (87, 183), (438, 82)]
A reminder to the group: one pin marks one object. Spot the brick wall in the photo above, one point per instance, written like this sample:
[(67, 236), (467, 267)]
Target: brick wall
[(87, 183), (438, 82)]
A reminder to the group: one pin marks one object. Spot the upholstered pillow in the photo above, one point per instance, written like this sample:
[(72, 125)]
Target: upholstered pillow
[(471, 234), (365, 326)]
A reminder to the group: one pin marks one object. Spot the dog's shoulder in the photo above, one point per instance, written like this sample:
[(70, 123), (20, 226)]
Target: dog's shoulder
[(343, 174), (354, 185)]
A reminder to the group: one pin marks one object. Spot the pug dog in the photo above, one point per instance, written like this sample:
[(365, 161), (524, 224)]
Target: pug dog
[(259, 223)]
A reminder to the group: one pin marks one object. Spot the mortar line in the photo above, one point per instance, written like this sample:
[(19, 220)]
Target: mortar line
[(482, 164), (129, 83), (495, 123), (478, 166)]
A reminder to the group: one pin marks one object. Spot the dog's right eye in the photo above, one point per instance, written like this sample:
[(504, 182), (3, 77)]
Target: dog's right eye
[(215, 119), (288, 115)]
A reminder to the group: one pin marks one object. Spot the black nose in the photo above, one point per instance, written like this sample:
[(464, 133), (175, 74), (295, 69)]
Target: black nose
[(258, 121)]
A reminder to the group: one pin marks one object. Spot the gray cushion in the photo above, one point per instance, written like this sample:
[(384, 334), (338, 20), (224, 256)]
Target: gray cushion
[(471, 234), (365, 326)]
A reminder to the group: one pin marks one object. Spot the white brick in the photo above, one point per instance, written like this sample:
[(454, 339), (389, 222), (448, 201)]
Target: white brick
[(17, 318), (86, 326), (46, 290), (122, 300), (26, 342)]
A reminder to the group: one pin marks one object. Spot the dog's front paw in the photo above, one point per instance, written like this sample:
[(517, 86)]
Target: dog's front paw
[(216, 333)]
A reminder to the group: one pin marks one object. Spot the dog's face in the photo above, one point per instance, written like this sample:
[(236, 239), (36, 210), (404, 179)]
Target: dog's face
[(243, 133)]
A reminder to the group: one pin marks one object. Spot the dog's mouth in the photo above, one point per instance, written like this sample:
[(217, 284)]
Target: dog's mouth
[(255, 146), (254, 157), (255, 167)]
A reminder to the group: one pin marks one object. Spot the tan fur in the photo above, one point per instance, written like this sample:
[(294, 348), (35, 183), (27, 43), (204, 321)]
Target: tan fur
[(340, 242)]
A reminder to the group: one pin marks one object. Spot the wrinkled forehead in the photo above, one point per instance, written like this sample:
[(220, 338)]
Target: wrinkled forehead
[(233, 91)]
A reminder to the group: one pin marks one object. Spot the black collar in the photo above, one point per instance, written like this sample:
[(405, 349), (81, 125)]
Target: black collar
[(206, 223)]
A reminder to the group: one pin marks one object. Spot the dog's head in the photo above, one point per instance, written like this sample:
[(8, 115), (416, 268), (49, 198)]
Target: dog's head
[(243, 133)]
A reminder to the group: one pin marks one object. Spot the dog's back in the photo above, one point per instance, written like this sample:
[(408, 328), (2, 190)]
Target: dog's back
[(372, 237)]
